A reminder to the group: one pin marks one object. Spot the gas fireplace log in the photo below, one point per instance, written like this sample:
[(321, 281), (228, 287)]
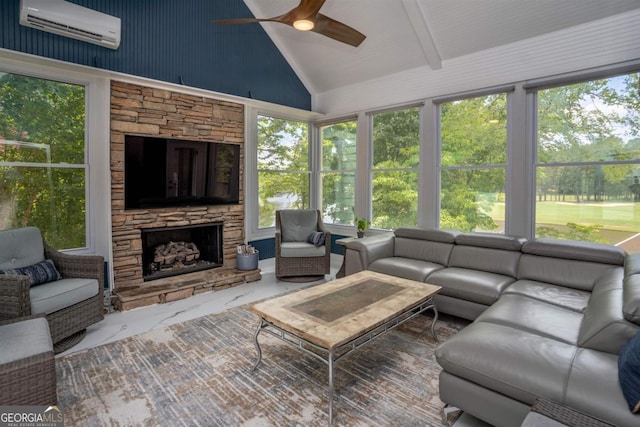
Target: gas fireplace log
[(176, 251)]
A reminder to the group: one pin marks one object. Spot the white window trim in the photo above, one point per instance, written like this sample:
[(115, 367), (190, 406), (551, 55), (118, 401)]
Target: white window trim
[(98, 209), (252, 230), (511, 178)]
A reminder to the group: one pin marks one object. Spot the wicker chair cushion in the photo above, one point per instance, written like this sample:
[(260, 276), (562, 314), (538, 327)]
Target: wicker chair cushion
[(297, 224), (24, 339), (42, 272), (64, 293), (20, 247), (301, 250), (629, 373)]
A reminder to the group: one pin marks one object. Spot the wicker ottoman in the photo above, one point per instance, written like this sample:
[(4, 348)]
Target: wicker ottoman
[(27, 364)]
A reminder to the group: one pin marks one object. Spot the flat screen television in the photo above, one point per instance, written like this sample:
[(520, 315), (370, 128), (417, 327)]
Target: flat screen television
[(161, 172)]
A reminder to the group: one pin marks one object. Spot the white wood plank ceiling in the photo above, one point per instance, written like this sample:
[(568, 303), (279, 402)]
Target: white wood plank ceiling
[(408, 34)]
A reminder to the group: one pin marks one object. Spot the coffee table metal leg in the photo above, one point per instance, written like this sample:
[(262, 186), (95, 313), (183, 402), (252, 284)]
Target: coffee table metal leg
[(261, 325), (433, 323), (330, 360)]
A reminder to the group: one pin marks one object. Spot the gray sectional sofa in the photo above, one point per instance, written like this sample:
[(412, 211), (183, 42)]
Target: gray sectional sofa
[(549, 317)]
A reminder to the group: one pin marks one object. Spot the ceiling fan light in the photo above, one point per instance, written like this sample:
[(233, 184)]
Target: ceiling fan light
[(303, 25)]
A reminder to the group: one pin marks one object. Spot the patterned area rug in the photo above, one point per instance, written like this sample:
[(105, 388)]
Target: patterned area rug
[(196, 373)]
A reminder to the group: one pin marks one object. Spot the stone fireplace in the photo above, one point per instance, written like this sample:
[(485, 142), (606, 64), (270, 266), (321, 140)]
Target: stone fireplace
[(145, 111)]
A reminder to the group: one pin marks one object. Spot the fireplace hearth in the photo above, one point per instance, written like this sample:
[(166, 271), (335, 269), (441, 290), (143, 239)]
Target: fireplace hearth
[(172, 251)]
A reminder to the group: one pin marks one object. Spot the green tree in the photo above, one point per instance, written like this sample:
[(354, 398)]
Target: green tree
[(473, 135), (396, 155)]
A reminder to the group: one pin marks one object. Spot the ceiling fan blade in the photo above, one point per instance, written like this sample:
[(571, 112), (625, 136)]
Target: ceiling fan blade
[(309, 10), (239, 21), (337, 30)]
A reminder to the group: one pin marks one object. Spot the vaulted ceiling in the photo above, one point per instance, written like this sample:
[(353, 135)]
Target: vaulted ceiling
[(406, 34)]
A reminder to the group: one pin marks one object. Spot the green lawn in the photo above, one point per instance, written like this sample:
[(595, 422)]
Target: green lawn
[(613, 216), (618, 220)]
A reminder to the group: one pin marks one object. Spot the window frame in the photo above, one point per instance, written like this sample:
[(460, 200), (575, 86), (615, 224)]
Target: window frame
[(318, 128), (532, 89), (508, 92), (96, 146), (252, 229), (367, 211)]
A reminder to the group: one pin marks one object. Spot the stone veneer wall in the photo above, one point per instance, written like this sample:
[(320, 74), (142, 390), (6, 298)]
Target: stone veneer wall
[(137, 110)]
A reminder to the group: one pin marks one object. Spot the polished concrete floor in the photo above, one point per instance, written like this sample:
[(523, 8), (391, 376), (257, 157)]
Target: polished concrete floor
[(118, 325)]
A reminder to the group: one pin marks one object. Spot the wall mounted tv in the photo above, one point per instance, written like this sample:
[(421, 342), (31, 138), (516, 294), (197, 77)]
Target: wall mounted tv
[(161, 172)]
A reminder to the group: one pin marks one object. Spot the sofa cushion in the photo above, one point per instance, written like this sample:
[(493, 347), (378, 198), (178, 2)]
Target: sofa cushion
[(593, 388), (301, 250), (517, 364), (20, 247), (631, 298), (297, 224), (604, 327), (412, 269), (491, 240), (54, 296), (485, 259), (424, 250), (568, 298), (559, 271), (432, 234), (472, 285), (535, 317), (42, 272), (571, 249), (629, 373), (632, 264)]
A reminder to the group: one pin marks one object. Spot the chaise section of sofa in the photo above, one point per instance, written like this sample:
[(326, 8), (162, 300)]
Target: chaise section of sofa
[(554, 333)]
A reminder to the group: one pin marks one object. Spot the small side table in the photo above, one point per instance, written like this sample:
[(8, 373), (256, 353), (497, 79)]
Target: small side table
[(343, 242)]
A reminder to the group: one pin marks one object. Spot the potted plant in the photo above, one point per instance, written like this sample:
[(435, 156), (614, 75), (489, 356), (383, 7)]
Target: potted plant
[(361, 225)]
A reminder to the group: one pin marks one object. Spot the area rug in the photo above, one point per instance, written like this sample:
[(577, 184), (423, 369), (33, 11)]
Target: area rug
[(196, 373)]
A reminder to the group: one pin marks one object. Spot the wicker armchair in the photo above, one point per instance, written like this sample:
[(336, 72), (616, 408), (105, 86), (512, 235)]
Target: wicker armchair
[(70, 304), (297, 260)]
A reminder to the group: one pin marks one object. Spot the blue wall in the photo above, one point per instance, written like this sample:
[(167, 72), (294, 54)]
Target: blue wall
[(174, 41)]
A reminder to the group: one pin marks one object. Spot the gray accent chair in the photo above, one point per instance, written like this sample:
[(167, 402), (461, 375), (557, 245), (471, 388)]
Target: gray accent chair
[(296, 259), (70, 304)]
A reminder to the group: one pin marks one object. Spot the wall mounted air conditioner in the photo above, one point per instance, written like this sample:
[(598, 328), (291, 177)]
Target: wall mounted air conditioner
[(70, 20)]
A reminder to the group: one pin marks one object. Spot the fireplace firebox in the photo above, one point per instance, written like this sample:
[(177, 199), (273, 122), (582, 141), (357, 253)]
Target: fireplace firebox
[(172, 251)]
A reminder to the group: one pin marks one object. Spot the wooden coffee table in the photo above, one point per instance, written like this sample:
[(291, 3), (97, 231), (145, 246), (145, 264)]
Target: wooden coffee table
[(330, 320)]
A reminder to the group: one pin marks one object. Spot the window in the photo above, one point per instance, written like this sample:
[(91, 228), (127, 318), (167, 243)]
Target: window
[(588, 162), (43, 173), (283, 167), (396, 155), (473, 140), (338, 172)]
